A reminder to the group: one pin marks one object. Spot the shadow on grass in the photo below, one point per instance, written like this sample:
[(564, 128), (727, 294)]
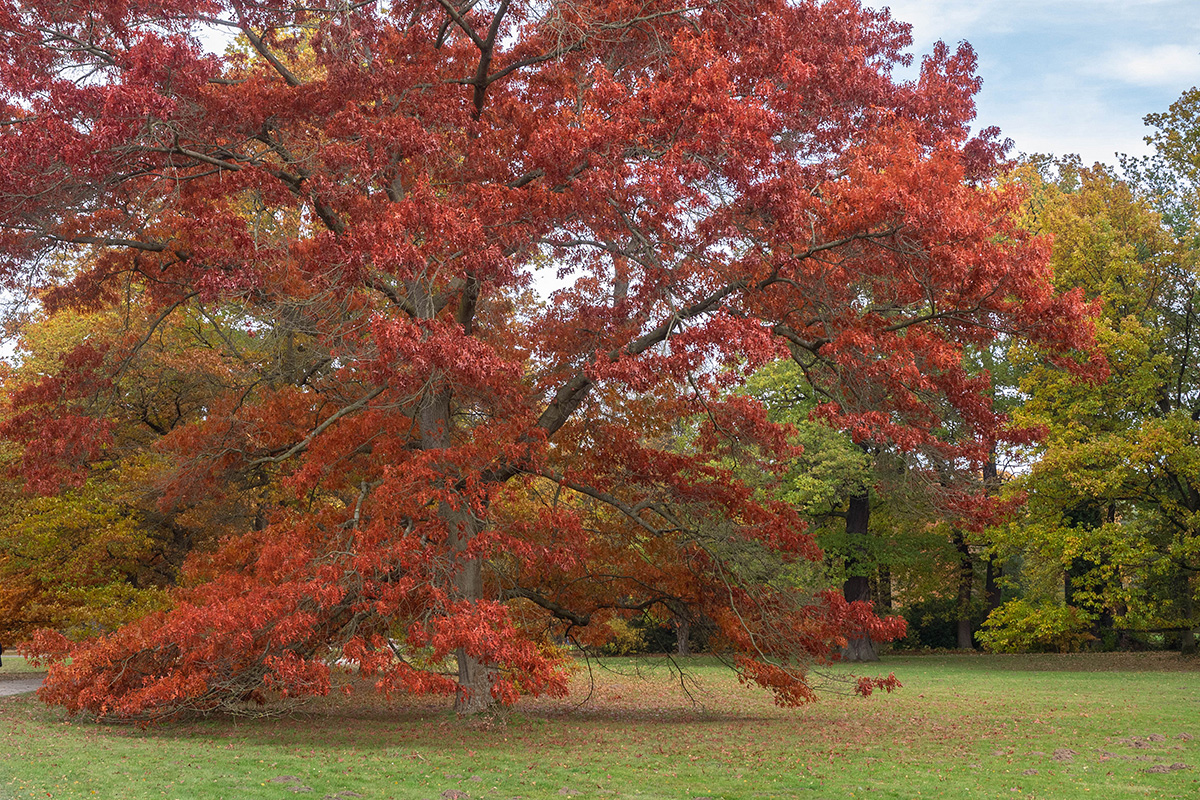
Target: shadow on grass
[(634, 693), (648, 699)]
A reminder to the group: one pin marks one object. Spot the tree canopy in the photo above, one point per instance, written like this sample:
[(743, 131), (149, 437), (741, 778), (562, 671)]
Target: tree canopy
[(1114, 497), (325, 258)]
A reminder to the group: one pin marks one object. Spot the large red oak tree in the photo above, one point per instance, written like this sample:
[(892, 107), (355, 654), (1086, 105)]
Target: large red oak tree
[(464, 471)]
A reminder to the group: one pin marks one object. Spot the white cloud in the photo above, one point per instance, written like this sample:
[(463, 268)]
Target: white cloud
[(949, 20), (1059, 117), (1168, 65), (1068, 76), (955, 20)]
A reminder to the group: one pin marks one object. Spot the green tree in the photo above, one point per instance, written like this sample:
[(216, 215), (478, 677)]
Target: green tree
[(103, 549), (880, 515), (1112, 527)]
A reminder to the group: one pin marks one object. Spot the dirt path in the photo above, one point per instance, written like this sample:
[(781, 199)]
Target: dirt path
[(20, 685)]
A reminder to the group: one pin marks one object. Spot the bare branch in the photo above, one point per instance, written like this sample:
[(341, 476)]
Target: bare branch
[(261, 47), (461, 22), (632, 512)]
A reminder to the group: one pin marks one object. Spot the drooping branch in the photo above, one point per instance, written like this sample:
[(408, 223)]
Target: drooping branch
[(634, 512), (560, 611), (303, 444), (572, 393)]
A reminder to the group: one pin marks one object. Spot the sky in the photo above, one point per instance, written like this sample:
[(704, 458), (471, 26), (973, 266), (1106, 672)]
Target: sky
[(1068, 76)]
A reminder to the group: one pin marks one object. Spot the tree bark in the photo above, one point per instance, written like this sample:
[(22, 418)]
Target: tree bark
[(992, 571), (966, 581), (474, 677), (1187, 637), (858, 647), (991, 584), (683, 629), (883, 589)]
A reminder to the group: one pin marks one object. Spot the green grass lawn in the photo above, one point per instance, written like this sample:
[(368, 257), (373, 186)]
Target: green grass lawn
[(15, 667), (1103, 726)]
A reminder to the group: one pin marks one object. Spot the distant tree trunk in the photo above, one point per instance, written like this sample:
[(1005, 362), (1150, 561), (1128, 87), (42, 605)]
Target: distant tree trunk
[(1187, 645), (683, 630), (1079, 568), (1187, 637), (883, 586), (1087, 515), (858, 587), (1124, 640), (991, 585), (966, 581), (1105, 619)]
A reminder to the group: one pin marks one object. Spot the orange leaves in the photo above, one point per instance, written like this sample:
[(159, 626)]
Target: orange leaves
[(789, 686), (195, 659), (295, 676), (411, 354), (47, 646), (816, 629), (865, 685)]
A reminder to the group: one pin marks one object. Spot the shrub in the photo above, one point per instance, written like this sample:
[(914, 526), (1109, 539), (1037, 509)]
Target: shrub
[(625, 639), (933, 624), (1019, 626)]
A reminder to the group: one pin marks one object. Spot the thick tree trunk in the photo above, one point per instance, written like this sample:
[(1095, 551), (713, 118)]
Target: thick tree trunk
[(883, 590), (1124, 640), (966, 581), (858, 587), (1187, 638), (475, 678)]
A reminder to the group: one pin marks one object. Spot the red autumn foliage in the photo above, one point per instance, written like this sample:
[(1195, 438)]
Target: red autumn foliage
[(368, 193)]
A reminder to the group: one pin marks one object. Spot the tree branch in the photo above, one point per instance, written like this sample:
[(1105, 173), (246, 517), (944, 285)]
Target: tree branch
[(633, 512), (317, 431), (461, 22), (261, 47), (562, 612)]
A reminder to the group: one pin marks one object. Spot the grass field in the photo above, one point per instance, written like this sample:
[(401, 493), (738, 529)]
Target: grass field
[(15, 666), (1082, 726)]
